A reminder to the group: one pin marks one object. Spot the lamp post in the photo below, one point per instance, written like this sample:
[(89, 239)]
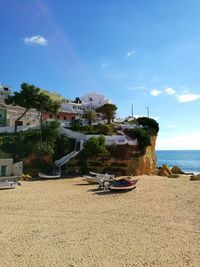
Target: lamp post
[(132, 110), (147, 111)]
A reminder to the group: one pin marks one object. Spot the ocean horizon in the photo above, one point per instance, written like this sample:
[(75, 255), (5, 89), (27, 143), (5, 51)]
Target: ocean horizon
[(187, 160)]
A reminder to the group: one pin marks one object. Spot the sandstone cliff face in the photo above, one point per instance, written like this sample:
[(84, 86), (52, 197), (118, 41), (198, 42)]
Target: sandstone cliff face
[(123, 160), (147, 162)]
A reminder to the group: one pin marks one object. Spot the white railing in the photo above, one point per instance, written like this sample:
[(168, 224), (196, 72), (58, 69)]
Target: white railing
[(60, 162), (109, 140), (72, 134)]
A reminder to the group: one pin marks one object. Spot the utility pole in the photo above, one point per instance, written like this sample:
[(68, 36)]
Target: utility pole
[(147, 111), (132, 110)]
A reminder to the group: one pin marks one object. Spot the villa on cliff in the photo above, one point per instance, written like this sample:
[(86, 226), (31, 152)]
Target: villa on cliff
[(72, 110), (69, 111)]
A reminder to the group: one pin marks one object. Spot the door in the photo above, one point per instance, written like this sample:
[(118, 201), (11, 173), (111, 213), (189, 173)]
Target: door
[(3, 170)]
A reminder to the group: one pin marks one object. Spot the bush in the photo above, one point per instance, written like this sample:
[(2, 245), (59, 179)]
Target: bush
[(44, 148), (142, 136), (152, 125), (105, 129), (95, 146)]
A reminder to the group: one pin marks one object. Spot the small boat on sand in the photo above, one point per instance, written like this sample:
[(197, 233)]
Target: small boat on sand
[(123, 185), (120, 184), (47, 176), (8, 184), (95, 178)]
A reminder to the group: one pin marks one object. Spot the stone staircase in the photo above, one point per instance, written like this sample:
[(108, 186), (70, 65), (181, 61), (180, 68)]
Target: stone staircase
[(60, 162)]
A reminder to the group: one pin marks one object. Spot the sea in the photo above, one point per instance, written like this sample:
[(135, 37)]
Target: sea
[(187, 160)]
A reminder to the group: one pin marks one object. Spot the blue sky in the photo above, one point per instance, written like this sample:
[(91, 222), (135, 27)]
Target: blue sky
[(145, 52)]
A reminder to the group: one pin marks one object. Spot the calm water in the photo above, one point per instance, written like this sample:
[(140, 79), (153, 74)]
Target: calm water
[(187, 160)]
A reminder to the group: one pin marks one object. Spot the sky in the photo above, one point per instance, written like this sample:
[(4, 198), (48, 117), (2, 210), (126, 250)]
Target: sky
[(144, 53)]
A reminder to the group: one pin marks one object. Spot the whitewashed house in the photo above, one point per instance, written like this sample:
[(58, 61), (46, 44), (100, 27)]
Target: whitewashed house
[(8, 168)]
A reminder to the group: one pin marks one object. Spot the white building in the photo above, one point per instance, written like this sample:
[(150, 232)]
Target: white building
[(5, 91), (88, 101), (72, 107), (8, 168), (94, 100)]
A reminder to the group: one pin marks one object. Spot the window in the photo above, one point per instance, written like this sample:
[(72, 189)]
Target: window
[(58, 117), (50, 116), (65, 118), (3, 170), (5, 89)]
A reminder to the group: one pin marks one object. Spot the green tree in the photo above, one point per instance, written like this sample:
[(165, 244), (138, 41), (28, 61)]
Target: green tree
[(89, 115), (45, 103), (95, 146), (108, 111), (26, 98), (32, 97)]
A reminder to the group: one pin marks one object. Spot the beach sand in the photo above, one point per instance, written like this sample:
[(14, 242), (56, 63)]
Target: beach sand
[(69, 223)]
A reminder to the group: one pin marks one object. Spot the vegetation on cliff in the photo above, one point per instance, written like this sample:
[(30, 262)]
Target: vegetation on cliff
[(45, 145), (143, 135), (151, 125)]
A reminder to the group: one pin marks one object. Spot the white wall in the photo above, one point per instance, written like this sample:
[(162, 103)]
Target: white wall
[(94, 100)]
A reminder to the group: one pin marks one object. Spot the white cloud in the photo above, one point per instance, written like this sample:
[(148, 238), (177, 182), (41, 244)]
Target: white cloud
[(173, 126), (182, 141), (137, 88), (188, 98), (170, 91), (155, 92), (131, 53), (36, 39)]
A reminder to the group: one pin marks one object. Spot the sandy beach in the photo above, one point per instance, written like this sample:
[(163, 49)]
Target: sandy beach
[(69, 223)]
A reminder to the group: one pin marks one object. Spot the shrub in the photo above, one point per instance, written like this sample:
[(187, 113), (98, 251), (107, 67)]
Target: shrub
[(105, 129), (152, 125), (44, 148), (95, 146), (142, 136)]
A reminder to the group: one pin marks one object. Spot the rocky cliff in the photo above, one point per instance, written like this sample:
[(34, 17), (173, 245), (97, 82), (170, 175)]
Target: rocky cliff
[(148, 162), (121, 160)]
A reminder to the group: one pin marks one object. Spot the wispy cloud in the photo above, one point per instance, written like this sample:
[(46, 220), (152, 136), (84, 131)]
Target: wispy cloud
[(155, 92), (131, 53), (133, 88), (188, 97), (170, 91), (103, 65), (36, 39)]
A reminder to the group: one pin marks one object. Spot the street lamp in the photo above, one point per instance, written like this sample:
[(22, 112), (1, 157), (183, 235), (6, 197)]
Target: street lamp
[(147, 111)]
